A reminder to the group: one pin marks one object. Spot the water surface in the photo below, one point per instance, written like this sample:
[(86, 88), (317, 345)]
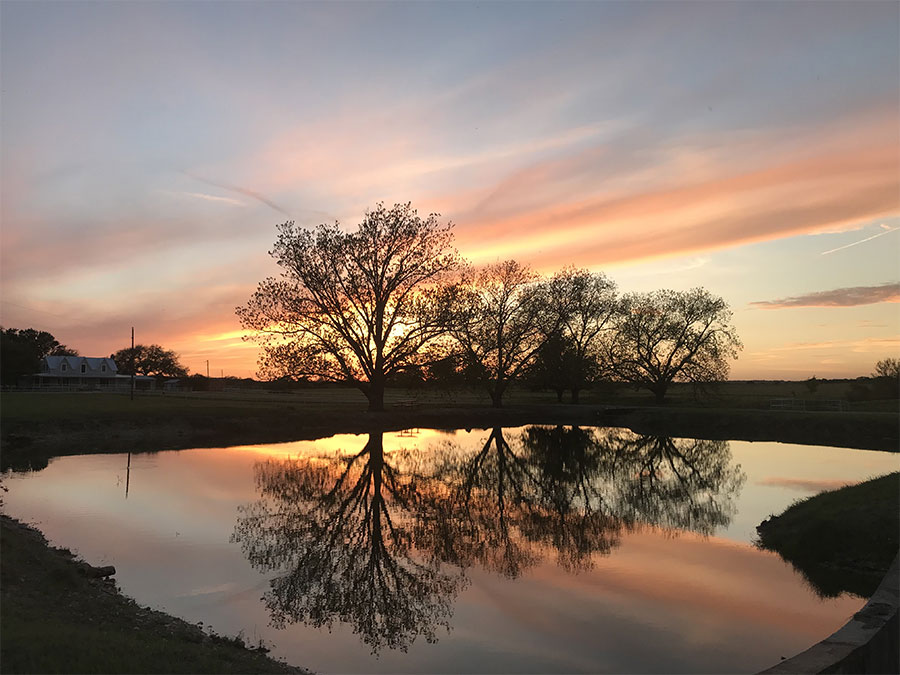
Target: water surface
[(528, 550)]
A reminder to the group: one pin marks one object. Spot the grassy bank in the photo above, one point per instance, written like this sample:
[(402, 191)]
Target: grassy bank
[(38, 426), (841, 540), (56, 618)]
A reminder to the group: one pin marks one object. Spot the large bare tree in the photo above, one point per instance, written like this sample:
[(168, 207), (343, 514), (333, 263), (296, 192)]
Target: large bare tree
[(353, 307), (497, 322), (674, 336)]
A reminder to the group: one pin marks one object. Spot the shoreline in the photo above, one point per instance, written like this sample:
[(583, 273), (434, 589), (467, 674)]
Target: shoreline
[(29, 444), (61, 614)]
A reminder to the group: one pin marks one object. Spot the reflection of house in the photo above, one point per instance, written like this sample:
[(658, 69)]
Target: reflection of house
[(85, 372)]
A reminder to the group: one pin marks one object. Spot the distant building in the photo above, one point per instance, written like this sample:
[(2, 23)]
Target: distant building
[(84, 372)]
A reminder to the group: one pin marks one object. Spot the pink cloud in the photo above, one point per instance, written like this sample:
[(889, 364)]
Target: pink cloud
[(838, 297)]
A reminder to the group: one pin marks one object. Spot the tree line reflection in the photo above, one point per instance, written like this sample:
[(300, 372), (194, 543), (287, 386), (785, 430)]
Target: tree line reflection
[(381, 540)]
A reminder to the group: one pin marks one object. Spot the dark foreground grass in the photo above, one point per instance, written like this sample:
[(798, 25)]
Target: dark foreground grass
[(841, 540), (54, 618)]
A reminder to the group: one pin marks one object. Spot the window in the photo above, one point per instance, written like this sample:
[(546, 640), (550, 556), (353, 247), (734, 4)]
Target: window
[(83, 367), (103, 368), (64, 367)]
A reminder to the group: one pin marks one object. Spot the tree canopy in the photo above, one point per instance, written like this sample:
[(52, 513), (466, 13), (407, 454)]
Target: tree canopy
[(354, 307), (888, 367), (584, 308), (148, 360), (497, 323), (674, 336), (21, 351)]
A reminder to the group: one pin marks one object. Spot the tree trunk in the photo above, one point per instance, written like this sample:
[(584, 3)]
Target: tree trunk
[(375, 394), (659, 390), (559, 395), (497, 396), (575, 392)]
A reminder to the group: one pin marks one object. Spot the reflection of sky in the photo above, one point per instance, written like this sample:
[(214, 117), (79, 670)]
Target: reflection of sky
[(684, 594), (148, 149)]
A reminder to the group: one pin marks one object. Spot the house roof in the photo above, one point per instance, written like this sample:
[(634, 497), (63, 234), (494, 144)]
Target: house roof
[(93, 363)]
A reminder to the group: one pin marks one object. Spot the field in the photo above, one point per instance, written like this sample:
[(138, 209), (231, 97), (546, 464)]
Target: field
[(755, 395)]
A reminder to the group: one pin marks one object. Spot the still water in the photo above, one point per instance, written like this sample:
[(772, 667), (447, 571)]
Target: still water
[(526, 550)]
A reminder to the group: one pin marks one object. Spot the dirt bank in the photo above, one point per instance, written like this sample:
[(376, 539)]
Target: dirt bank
[(58, 616)]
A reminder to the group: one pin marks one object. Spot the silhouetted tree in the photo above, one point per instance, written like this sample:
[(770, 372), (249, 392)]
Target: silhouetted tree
[(671, 336), (584, 308), (353, 307), (150, 360), (887, 368), (812, 384), (21, 351), (886, 378), (555, 365), (338, 533), (497, 323)]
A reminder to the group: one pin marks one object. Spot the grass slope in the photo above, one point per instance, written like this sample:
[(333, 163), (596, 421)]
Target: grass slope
[(841, 540), (54, 618)]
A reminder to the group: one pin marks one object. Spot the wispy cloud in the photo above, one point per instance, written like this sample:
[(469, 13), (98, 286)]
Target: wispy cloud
[(212, 198), (241, 190), (886, 230), (839, 297)]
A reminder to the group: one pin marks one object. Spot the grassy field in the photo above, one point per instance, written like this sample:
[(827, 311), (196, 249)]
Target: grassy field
[(756, 395), (35, 426), (841, 540)]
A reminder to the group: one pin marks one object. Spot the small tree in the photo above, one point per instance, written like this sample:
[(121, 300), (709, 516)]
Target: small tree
[(556, 365), (354, 307), (671, 336), (812, 384), (497, 323), (886, 377), (887, 368), (150, 360)]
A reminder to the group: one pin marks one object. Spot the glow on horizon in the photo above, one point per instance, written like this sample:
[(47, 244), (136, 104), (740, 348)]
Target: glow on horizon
[(599, 135)]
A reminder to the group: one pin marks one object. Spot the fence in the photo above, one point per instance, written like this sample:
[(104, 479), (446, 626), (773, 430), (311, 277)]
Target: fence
[(807, 404)]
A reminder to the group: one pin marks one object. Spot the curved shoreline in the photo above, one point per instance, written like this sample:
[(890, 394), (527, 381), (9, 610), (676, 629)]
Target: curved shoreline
[(28, 444), (867, 643)]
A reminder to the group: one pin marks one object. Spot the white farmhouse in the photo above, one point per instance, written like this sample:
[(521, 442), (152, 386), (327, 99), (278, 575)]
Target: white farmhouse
[(84, 372)]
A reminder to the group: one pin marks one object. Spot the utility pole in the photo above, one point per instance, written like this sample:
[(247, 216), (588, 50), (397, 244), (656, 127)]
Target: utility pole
[(132, 369), (207, 369)]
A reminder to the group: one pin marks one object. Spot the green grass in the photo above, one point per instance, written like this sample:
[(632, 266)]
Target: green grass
[(841, 540)]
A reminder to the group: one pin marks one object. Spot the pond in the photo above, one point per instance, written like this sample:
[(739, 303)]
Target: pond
[(527, 550)]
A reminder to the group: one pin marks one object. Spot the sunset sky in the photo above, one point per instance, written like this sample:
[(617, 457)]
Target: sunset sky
[(149, 150)]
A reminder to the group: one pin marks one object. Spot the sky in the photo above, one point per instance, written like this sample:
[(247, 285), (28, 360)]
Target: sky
[(149, 149)]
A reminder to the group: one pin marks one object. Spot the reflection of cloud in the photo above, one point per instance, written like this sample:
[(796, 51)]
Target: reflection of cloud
[(839, 297), (811, 486), (210, 590)]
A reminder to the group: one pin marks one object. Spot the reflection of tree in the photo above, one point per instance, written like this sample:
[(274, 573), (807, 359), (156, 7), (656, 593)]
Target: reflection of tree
[(508, 502), (574, 519), (687, 484), (367, 539), (338, 532)]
